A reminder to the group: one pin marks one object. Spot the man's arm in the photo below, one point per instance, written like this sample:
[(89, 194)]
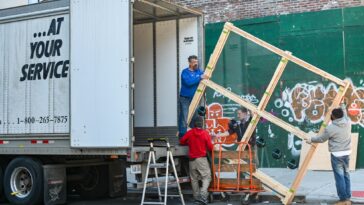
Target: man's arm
[(208, 142), (190, 80), (184, 139), (343, 107), (321, 138)]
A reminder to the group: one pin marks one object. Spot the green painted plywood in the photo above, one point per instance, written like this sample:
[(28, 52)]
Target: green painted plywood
[(310, 21), (354, 48), (353, 16), (332, 40)]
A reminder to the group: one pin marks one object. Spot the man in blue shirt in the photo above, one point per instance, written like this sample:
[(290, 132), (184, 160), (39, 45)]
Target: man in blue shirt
[(190, 78)]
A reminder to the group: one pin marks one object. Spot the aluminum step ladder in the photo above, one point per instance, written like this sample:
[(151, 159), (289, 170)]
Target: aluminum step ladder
[(153, 165)]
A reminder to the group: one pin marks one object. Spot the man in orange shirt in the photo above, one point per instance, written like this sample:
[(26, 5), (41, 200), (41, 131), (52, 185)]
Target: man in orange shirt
[(199, 143)]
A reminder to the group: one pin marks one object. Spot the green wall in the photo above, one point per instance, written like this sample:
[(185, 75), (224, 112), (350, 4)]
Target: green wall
[(332, 40)]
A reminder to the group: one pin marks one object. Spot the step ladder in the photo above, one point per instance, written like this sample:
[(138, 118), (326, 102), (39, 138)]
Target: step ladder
[(152, 164)]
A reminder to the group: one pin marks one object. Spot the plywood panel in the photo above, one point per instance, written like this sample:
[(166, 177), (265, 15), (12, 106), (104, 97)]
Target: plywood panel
[(321, 159)]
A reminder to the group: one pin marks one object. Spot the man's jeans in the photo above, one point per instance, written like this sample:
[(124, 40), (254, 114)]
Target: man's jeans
[(184, 104), (340, 166)]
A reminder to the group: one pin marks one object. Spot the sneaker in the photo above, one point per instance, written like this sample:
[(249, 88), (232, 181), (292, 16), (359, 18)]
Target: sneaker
[(196, 202), (202, 201)]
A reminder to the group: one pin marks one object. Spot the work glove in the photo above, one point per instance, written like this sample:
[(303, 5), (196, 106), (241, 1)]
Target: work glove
[(308, 140)]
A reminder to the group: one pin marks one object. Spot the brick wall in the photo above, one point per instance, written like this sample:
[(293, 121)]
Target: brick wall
[(227, 10)]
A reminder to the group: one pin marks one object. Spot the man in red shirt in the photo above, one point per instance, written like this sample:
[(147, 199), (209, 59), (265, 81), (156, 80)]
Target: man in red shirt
[(199, 142)]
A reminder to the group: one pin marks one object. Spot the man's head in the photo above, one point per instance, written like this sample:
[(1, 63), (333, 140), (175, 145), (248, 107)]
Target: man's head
[(337, 113), (242, 113), (198, 122), (193, 62)]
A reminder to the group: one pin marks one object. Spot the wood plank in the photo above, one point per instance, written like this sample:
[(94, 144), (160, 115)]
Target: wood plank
[(321, 161), (280, 52), (271, 183), (299, 133), (243, 182), (302, 171), (265, 99), (234, 168), (233, 154), (209, 70)]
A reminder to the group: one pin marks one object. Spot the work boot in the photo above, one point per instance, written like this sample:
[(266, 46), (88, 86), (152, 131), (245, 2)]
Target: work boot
[(340, 203), (348, 202)]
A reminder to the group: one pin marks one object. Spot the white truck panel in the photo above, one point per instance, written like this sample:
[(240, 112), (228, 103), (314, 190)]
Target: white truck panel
[(34, 65), (2, 82), (143, 75), (188, 42), (166, 60), (100, 47)]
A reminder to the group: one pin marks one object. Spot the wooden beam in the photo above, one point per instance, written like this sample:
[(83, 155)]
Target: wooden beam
[(159, 6), (271, 183), (302, 171), (280, 52), (232, 183), (299, 133), (145, 13), (233, 154), (209, 69), (265, 99), (234, 168)]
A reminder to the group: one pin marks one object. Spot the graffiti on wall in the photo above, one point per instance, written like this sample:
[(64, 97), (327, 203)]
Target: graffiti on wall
[(230, 107), (217, 124), (304, 102), (310, 101)]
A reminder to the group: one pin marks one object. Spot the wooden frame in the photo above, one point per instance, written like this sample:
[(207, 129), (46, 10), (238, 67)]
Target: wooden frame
[(286, 194)]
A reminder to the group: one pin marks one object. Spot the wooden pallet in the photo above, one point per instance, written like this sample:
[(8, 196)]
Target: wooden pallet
[(286, 194)]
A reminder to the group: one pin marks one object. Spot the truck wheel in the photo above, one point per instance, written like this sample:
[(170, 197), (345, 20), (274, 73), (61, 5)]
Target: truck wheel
[(23, 181), (95, 184), (1, 182), (2, 170)]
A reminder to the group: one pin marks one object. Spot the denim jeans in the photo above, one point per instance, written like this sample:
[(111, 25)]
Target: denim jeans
[(184, 104), (340, 166)]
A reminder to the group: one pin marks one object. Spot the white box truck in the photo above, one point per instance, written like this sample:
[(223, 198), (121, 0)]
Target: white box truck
[(83, 84)]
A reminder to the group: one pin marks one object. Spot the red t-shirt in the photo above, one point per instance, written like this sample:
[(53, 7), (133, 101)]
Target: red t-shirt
[(198, 141)]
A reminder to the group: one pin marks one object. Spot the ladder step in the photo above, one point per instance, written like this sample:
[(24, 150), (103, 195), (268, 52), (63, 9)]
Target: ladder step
[(172, 196), (158, 165), (149, 202), (173, 181)]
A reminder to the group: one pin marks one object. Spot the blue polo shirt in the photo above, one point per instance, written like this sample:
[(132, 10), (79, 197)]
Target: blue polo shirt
[(190, 80)]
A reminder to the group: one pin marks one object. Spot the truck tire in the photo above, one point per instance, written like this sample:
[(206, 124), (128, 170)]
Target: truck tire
[(3, 164), (95, 184), (1, 182), (23, 181)]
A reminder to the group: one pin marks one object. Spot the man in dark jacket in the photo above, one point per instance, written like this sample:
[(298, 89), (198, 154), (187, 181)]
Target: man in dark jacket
[(199, 143), (239, 127)]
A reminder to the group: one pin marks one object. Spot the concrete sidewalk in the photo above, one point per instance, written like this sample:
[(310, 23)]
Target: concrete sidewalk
[(319, 186)]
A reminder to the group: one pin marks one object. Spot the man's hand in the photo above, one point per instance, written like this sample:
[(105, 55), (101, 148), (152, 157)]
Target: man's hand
[(308, 140), (204, 76)]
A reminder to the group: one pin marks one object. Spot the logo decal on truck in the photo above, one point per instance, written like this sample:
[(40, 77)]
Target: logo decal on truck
[(46, 49)]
